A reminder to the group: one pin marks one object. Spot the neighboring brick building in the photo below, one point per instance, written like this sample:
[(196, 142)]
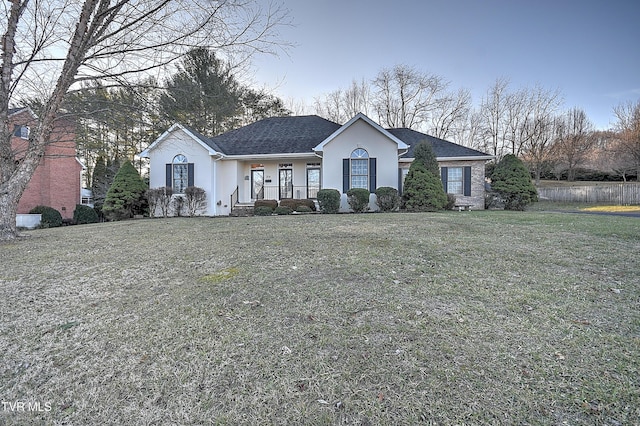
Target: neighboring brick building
[(56, 182)]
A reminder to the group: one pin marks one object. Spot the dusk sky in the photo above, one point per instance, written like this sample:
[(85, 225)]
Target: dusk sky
[(587, 49)]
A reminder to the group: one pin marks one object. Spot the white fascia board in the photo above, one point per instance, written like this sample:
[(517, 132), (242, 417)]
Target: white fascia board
[(177, 126), (361, 116), (288, 156), (478, 158)]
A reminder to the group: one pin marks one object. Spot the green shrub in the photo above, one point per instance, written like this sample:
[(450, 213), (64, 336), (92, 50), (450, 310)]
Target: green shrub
[(423, 190), (126, 196), (451, 202), (329, 200), (262, 211), (512, 181), (84, 214), (387, 199), (303, 209), (358, 199), (280, 210), (51, 218), (295, 203), (266, 203)]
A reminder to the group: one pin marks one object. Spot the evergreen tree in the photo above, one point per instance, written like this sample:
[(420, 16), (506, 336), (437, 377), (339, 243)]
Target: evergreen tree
[(126, 196), (512, 181), (423, 190), (99, 183), (423, 153)]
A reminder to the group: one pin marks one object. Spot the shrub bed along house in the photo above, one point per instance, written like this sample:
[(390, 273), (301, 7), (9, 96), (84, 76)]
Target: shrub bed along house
[(283, 210), (272, 204), (293, 204), (262, 211)]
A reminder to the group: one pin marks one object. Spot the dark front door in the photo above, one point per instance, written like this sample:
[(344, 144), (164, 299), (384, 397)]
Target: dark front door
[(257, 184), (286, 183)]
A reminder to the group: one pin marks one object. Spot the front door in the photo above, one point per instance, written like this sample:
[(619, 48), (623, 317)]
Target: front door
[(257, 184), (286, 183)]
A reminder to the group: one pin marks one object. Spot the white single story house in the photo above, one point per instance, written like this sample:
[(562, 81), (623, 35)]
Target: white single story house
[(294, 157)]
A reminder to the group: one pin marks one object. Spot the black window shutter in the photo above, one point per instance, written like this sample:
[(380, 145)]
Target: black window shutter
[(372, 174), (168, 180), (467, 181), (399, 180), (345, 175), (444, 174), (17, 130), (189, 174)]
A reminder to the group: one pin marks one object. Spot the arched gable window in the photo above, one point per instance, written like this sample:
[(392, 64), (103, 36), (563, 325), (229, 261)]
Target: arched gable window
[(179, 174), (359, 171), (359, 168)]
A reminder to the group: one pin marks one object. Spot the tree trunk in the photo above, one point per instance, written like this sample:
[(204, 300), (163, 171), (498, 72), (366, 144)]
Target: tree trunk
[(8, 208)]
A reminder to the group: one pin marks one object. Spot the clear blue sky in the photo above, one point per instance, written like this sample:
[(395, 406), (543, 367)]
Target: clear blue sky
[(588, 49)]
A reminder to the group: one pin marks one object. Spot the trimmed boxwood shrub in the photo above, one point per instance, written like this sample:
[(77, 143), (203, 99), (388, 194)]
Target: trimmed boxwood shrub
[(280, 210), (84, 214), (387, 199), (272, 204), (295, 203), (358, 199), (329, 200), (303, 209), (51, 218), (262, 211)]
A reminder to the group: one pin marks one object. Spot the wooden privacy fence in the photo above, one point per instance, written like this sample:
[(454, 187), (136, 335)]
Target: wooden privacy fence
[(617, 193)]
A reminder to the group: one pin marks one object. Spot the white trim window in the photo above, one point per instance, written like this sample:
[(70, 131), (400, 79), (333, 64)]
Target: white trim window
[(359, 168), (455, 180), (180, 174)]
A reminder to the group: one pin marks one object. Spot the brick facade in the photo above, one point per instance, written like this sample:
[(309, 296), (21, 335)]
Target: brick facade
[(56, 181)]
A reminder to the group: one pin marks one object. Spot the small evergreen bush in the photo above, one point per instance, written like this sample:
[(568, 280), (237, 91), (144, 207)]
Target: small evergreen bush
[(280, 210), (262, 211), (266, 203), (512, 181), (303, 209), (451, 202), (84, 214), (126, 196), (329, 200), (358, 199), (387, 199), (51, 218)]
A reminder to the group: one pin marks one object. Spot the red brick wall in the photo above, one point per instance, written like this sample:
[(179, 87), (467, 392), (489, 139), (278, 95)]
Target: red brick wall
[(56, 181)]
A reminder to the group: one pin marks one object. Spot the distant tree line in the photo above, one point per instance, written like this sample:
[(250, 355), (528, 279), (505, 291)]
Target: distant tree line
[(529, 122)]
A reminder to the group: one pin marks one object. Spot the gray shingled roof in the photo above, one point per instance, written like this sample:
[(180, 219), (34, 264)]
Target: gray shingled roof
[(300, 134), (276, 135), (441, 148)]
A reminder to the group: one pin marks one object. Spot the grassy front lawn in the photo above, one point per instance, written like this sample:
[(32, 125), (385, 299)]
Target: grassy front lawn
[(449, 318)]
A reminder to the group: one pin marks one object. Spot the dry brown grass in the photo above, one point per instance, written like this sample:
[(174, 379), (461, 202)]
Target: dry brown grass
[(452, 318)]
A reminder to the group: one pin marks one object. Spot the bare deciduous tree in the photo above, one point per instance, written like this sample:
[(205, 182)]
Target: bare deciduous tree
[(450, 114), (574, 140), (628, 127), (405, 97), (52, 46)]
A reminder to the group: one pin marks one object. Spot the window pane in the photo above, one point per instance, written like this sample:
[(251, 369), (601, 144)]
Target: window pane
[(360, 182), (359, 167)]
